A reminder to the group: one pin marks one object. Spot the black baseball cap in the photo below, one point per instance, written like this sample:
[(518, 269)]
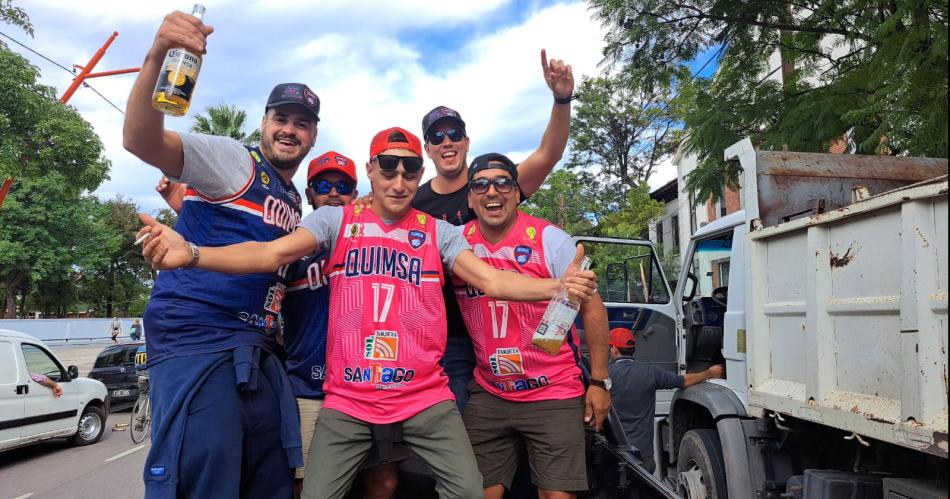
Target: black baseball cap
[(295, 93), (438, 114), (490, 161)]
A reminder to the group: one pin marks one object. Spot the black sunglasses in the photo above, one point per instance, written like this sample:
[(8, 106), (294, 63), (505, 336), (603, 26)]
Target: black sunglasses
[(503, 185), (455, 135), (411, 164), (323, 187)]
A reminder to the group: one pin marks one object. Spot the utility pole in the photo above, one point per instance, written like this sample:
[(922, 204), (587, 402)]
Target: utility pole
[(84, 74)]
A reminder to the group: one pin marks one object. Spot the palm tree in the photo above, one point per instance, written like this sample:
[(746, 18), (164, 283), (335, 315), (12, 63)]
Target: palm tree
[(227, 121)]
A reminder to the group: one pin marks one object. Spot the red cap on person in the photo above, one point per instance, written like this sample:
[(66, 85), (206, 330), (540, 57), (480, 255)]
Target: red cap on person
[(394, 138), (621, 337), (331, 161)]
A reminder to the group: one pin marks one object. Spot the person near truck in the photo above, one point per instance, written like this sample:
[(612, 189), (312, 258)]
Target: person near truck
[(634, 390), (523, 396)]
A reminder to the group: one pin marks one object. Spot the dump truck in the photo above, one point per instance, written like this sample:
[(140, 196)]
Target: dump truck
[(826, 299)]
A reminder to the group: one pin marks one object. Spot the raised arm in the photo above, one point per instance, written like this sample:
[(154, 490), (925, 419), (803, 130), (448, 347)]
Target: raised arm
[(533, 170), (594, 315), (165, 249), (143, 133), (581, 285)]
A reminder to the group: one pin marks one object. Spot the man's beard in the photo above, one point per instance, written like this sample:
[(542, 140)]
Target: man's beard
[(282, 163)]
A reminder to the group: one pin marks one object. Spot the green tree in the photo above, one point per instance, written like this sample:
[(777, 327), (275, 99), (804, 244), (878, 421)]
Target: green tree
[(39, 135), (875, 68), (621, 129), (227, 121), (15, 16)]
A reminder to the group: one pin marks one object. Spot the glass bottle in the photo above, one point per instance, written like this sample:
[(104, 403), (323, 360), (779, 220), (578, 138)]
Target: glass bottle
[(557, 319), (176, 81)]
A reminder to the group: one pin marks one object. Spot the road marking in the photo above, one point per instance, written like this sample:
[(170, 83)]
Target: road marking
[(24, 496), (123, 454)]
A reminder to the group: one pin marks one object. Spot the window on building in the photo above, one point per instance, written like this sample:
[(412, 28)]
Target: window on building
[(675, 228), (692, 215), (659, 232)]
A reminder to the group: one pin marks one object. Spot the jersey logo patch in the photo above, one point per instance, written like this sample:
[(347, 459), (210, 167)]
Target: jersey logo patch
[(275, 296), (265, 178), (531, 232), (416, 238), (522, 254), (383, 345), (471, 230), (355, 230), (421, 219), (506, 361)]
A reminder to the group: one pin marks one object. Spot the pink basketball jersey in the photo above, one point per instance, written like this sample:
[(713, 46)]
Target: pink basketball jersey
[(386, 328), (507, 364)]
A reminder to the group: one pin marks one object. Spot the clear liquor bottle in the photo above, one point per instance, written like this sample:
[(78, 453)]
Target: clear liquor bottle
[(179, 75), (557, 319)]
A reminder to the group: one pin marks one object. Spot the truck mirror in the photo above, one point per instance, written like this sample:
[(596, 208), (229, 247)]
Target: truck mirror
[(692, 287), (72, 372)]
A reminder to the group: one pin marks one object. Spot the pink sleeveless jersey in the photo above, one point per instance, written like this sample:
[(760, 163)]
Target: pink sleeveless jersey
[(507, 364), (386, 328)]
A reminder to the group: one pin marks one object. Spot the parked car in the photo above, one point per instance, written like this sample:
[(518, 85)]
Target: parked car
[(29, 412), (115, 366)]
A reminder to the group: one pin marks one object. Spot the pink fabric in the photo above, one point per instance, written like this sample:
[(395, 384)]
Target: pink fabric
[(507, 364), (386, 330)]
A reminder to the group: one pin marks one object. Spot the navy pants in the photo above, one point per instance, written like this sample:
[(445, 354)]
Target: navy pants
[(231, 444), (459, 366)]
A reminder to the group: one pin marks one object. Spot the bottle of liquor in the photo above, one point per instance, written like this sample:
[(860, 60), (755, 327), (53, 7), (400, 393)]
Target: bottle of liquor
[(557, 319), (176, 81)]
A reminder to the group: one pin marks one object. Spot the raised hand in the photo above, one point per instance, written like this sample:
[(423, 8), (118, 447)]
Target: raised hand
[(164, 248), (558, 76), (581, 284), (179, 29), (172, 192)]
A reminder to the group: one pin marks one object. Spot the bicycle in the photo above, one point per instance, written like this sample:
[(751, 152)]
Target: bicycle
[(141, 413)]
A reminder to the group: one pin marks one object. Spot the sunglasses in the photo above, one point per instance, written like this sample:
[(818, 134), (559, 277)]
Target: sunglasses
[(324, 187), (503, 185), (389, 163), (455, 135)]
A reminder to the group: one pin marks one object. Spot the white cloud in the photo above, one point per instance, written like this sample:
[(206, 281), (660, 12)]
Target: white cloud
[(373, 64)]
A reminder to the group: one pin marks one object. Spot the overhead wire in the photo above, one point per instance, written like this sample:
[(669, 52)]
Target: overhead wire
[(64, 68)]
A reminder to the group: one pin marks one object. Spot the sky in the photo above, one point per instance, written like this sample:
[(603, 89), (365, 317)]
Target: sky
[(374, 64)]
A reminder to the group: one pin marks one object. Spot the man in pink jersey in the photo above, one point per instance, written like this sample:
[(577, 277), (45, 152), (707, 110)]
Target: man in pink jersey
[(522, 393), (386, 328)]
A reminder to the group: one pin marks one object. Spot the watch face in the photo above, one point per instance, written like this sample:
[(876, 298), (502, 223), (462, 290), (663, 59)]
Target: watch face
[(608, 383)]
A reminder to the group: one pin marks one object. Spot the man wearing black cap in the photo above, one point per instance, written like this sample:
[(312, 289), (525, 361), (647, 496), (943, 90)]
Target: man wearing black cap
[(224, 418), (523, 396), (446, 195)]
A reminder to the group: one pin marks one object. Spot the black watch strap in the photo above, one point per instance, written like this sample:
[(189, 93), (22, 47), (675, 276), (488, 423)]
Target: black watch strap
[(564, 100), (598, 383)]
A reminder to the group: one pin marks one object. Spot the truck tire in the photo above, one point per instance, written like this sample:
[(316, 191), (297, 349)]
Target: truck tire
[(90, 428), (700, 468)]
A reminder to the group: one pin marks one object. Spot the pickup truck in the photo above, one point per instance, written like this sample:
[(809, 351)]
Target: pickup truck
[(826, 299), (29, 412)]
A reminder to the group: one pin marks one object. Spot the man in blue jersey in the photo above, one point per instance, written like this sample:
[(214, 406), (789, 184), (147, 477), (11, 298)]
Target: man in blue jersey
[(224, 419)]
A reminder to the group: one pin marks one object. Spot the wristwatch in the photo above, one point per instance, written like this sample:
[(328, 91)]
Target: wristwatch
[(605, 383)]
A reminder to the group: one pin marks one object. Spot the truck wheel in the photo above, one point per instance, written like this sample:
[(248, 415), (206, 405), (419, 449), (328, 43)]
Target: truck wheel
[(701, 473), (91, 425)]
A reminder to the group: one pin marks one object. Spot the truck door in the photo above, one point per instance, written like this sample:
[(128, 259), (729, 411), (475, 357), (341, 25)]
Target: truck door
[(637, 296), (12, 395), (48, 413)]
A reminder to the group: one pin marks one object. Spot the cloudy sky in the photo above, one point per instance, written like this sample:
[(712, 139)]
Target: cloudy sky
[(374, 64)]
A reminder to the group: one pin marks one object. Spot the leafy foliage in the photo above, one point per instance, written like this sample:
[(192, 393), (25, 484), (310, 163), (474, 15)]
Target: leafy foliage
[(39, 135), (877, 69), (227, 121), (15, 16)]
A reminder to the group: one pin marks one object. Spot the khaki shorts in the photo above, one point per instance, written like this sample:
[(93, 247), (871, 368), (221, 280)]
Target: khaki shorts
[(552, 432), (309, 411)]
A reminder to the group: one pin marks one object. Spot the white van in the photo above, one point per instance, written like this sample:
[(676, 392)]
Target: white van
[(28, 410)]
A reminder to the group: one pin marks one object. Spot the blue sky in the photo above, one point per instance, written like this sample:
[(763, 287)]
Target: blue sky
[(374, 64)]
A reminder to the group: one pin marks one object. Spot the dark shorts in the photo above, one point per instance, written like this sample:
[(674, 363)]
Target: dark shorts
[(552, 432)]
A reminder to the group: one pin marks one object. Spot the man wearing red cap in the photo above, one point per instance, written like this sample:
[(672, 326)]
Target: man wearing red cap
[(634, 390), (386, 327)]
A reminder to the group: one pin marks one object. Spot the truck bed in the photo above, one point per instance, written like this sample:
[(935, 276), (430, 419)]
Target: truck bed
[(847, 317)]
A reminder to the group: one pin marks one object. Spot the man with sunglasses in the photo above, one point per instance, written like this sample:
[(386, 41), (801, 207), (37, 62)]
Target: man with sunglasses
[(522, 394), (386, 327), (224, 421), (446, 195)]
